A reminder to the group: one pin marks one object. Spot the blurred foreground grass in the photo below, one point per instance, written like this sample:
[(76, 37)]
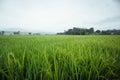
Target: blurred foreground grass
[(59, 57)]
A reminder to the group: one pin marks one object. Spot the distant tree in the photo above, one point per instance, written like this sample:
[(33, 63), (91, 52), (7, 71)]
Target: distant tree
[(16, 33), (60, 33), (116, 32), (82, 31), (36, 34), (78, 31), (2, 32), (91, 30), (105, 32), (70, 31), (98, 31), (29, 33)]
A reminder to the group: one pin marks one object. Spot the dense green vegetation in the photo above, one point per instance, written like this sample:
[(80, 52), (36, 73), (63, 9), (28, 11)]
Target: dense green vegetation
[(59, 57), (84, 31)]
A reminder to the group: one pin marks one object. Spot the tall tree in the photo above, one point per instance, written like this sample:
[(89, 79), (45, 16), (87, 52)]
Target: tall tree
[(91, 30), (2, 32)]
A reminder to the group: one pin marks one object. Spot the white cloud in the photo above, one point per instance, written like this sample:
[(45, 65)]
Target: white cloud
[(55, 15)]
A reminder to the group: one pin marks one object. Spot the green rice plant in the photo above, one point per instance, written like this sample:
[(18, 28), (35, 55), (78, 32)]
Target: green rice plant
[(59, 57)]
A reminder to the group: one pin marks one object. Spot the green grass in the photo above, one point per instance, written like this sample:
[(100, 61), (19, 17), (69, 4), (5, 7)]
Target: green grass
[(59, 57)]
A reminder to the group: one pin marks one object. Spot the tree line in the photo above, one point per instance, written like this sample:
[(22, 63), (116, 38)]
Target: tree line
[(2, 32), (76, 31), (90, 31), (12, 33)]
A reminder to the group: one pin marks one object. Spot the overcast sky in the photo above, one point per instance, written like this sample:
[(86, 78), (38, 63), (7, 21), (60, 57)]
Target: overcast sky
[(59, 15)]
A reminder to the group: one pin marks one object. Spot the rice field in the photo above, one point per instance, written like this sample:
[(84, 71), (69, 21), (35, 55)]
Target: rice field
[(59, 57)]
